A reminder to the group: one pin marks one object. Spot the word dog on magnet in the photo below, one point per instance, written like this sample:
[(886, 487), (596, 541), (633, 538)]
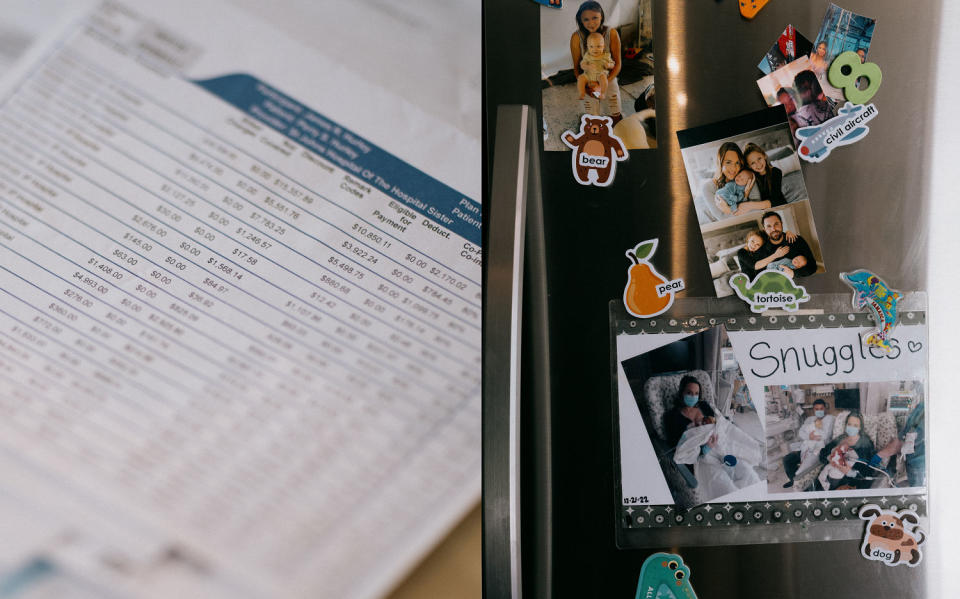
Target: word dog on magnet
[(891, 537), (596, 151)]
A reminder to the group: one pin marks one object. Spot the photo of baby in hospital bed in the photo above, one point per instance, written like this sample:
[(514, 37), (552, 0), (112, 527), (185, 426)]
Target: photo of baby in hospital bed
[(698, 414)]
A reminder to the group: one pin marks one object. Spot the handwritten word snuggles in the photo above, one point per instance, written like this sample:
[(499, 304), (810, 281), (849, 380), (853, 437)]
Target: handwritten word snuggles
[(827, 358)]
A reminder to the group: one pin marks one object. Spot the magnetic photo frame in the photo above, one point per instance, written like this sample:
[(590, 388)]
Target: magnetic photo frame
[(817, 355)]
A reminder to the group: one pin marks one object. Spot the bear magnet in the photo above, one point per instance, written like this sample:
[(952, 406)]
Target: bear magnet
[(891, 537), (596, 151)]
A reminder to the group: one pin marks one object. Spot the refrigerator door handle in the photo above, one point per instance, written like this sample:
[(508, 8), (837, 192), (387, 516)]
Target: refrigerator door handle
[(514, 197)]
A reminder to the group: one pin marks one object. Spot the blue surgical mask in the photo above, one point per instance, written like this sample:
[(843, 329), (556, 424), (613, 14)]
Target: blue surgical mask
[(690, 400), (819, 413), (852, 430), (704, 449)]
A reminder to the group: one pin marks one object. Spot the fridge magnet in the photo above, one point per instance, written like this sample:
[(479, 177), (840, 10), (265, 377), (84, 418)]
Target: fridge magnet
[(841, 31), (568, 33), (845, 73), (770, 289), (796, 87), (849, 126), (596, 151), (872, 292), (550, 3), (750, 198), (664, 576), (648, 293), (788, 47), (780, 394), (891, 537), (750, 8)]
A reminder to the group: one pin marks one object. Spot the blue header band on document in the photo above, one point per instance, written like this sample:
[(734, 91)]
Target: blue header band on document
[(444, 206)]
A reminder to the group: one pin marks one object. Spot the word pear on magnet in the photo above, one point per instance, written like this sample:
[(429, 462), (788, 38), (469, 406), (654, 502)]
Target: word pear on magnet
[(648, 293)]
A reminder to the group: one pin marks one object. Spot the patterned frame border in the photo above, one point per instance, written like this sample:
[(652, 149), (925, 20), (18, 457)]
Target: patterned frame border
[(796, 511), (767, 512), (756, 323)]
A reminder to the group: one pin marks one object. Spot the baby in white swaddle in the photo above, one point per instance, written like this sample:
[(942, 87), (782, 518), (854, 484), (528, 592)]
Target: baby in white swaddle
[(841, 459), (706, 445)]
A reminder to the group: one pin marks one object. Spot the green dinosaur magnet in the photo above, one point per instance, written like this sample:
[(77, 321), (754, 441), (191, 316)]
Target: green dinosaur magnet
[(770, 289), (664, 576)]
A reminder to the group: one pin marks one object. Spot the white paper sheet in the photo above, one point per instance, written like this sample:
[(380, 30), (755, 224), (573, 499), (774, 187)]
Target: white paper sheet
[(238, 313)]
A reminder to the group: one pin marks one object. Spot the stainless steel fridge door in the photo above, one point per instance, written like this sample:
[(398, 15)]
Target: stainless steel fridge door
[(869, 201)]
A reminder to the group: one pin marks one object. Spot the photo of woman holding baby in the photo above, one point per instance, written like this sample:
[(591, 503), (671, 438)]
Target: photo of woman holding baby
[(595, 51), (745, 180)]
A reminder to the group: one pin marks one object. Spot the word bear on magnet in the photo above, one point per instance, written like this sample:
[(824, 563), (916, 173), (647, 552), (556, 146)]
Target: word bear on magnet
[(596, 150)]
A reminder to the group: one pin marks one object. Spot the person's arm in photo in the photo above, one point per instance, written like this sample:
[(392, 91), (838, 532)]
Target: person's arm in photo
[(776, 196), (780, 252), (615, 54), (747, 264), (751, 205), (827, 450), (575, 54), (719, 198)]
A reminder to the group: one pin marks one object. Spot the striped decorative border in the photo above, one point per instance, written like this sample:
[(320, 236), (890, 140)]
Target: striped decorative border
[(758, 322), (794, 511)]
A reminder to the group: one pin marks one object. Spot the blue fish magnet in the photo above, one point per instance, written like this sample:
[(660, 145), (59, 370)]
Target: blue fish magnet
[(849, 126), (664, 576), (550, 3), (871, 292)]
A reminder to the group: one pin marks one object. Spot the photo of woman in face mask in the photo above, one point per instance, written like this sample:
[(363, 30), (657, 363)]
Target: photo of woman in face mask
[(842, 455), (721, 457), (688, 410)]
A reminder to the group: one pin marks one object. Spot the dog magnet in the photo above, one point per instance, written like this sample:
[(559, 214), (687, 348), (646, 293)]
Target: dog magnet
[(596, 151), (891, 537)]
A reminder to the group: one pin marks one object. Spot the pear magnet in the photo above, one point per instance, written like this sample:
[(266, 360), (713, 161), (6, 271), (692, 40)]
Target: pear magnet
[(648, 293)]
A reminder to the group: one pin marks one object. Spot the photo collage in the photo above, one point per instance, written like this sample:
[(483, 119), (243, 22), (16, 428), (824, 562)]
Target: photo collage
[(745, 173), (719, 415)]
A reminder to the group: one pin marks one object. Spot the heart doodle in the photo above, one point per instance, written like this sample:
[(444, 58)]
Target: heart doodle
[(914, 346)]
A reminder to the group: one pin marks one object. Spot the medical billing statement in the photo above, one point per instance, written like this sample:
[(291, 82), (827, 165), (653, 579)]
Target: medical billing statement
[(228, 315)]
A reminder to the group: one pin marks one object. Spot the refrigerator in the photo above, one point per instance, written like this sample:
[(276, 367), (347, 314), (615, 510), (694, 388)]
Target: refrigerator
[(556, 275)]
